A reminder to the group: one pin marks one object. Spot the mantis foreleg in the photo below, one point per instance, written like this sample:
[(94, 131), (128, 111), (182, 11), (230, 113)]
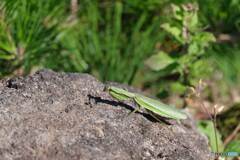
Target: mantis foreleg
[(135, 110)]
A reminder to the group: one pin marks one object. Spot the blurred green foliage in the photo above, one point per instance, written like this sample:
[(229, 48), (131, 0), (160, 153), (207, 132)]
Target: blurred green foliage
[(108, 39), (164, 46), (113, 39), (186, 60), (233, 146), (207, 128), (29, 32)]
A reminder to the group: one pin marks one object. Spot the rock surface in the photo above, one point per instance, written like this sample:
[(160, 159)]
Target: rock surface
[(62, 116)]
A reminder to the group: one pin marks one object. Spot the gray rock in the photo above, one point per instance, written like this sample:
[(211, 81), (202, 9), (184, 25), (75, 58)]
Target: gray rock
[(68, 116)]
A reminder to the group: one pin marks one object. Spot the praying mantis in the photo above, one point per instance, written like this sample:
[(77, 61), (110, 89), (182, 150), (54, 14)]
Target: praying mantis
[(147, 103)]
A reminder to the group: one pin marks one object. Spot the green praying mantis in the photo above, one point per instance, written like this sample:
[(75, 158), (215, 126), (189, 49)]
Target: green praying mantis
[(147, 103)]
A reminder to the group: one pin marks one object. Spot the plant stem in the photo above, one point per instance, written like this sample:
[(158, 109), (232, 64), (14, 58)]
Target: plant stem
[(232, 135), (215, 128), (204, 108)]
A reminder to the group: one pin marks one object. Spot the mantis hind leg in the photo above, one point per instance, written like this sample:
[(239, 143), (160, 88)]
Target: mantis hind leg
[(138, 108), (158, 119), (155, 117)]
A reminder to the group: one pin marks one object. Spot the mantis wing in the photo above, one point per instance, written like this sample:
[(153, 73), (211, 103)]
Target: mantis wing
[(159, 108)]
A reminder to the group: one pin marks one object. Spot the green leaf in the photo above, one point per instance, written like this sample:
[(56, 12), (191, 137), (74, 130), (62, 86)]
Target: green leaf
[(199, 42), (191, 16), (174, 31), (6, 57), (204, 37), (176, 12), (177, 87), (233, 146), (206, 127), (193, 23), (159, 61)]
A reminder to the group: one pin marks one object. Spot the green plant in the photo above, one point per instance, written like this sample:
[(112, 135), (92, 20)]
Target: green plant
[(226, 59), (206, 127), (220, 16), (187, 53), (218, 120), (114, 41), (31, 33), (233, 146), (107, 39)]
